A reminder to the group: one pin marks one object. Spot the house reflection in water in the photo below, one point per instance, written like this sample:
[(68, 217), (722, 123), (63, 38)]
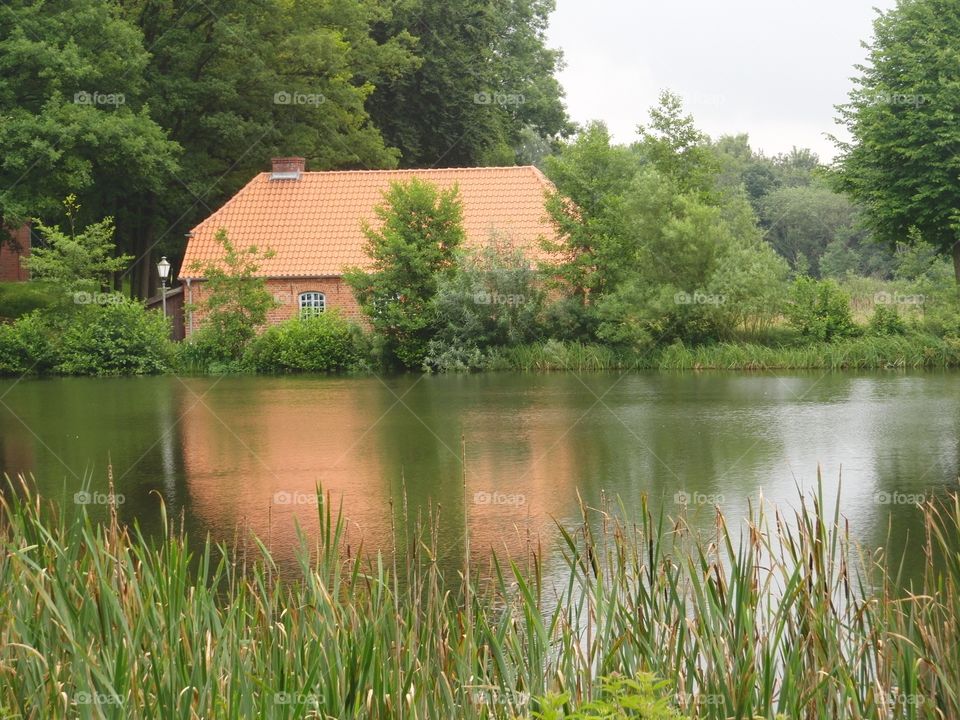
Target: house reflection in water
[(254, 454)]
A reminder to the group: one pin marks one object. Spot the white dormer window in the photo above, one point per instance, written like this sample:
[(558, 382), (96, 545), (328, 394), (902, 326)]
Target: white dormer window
[(312, 303)]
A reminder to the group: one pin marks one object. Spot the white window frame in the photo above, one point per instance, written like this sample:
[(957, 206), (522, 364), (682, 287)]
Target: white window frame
[(311, 303)]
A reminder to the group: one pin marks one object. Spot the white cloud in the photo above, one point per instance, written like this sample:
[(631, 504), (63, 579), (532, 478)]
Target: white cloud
[(771, 68)]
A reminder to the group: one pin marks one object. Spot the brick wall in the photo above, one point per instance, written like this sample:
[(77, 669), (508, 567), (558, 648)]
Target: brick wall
[(287, 293), (10, 268)]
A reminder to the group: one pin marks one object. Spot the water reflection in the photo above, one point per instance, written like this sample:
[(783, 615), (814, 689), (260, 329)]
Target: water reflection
[(229, 454)]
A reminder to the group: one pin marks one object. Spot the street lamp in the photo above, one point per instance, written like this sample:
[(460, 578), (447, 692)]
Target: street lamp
[(163, 269)]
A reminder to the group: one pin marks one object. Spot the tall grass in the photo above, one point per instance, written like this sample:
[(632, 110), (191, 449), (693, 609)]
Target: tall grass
[(96, 621), (862, 353)]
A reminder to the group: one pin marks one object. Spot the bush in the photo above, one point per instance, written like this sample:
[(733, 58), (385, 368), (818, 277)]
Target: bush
[(494, 299), (820, 310), (887, 321), (26, 346), (117, 338), (322, 343)]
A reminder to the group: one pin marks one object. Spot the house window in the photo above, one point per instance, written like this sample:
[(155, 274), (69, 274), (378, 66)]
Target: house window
[(312, 303)]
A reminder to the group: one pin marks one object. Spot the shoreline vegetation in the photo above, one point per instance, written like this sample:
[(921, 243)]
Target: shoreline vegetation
[(782, 619)]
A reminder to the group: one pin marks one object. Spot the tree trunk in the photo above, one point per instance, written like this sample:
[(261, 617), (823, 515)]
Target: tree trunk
[(956, 261)]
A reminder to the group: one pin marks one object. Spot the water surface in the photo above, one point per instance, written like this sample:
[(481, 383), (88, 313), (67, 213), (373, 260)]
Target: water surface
[(238, 453)]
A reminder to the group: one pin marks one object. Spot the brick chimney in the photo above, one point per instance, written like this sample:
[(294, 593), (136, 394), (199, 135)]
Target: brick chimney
[(287, 168)]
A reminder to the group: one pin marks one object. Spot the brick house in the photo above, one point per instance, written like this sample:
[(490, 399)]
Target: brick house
[(11, 251), (313, 222)]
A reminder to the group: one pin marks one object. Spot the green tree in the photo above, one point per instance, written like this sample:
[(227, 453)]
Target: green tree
[(420, 231), (587, 210), (235, 81), (72, 90), (234, 302), (76, 261), (902, 162), (802, 220), (485, 76)]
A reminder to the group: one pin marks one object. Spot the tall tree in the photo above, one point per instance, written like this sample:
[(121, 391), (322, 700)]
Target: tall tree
[(903, 164), (411, 249), (237, 81), (591, 176), (486, 75), (72, 90)]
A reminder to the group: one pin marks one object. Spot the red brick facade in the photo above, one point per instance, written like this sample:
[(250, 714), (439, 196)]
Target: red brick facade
[(10, 268), (287, 291)]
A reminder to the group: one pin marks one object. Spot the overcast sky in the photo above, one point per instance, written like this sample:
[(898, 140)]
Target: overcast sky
[(774, 69)]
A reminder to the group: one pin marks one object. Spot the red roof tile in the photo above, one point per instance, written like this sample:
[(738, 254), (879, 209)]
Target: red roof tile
[(314, 223)]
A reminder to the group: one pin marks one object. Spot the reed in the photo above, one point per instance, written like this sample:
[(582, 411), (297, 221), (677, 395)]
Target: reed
[(762, 619)]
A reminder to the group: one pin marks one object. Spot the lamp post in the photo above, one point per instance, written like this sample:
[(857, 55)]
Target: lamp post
[(163, 269)]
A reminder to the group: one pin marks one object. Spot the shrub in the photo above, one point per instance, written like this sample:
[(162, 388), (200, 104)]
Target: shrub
[(235, 303), (493, 299), (322, 343), (643, 697), (117, 338), (26, 346), (887, 321), (820, 309)]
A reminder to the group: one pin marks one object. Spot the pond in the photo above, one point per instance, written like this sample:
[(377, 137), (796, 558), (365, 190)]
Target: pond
[(230, 454)]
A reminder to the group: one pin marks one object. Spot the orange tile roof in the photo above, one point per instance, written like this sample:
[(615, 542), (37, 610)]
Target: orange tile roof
[(314, 223)]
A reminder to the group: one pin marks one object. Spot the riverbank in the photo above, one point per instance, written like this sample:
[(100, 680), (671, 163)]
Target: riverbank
[(97, 622), (863, 353)]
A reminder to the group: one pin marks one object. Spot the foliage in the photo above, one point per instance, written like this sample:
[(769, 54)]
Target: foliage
[(116, 338), (119, 337), (21, 298), (820, 309), (870, 352), (700, 271), (741, 624), (641, 697), (588, 214), (318, 343), (897, 115), (27, 346), (887, 321), (74, 120), (410, 253), (484, 83), (494, 299), (234, 302), (78, 260), (804, 220)]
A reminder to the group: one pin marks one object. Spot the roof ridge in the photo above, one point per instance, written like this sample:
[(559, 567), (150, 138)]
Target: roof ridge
[(415, 170)]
